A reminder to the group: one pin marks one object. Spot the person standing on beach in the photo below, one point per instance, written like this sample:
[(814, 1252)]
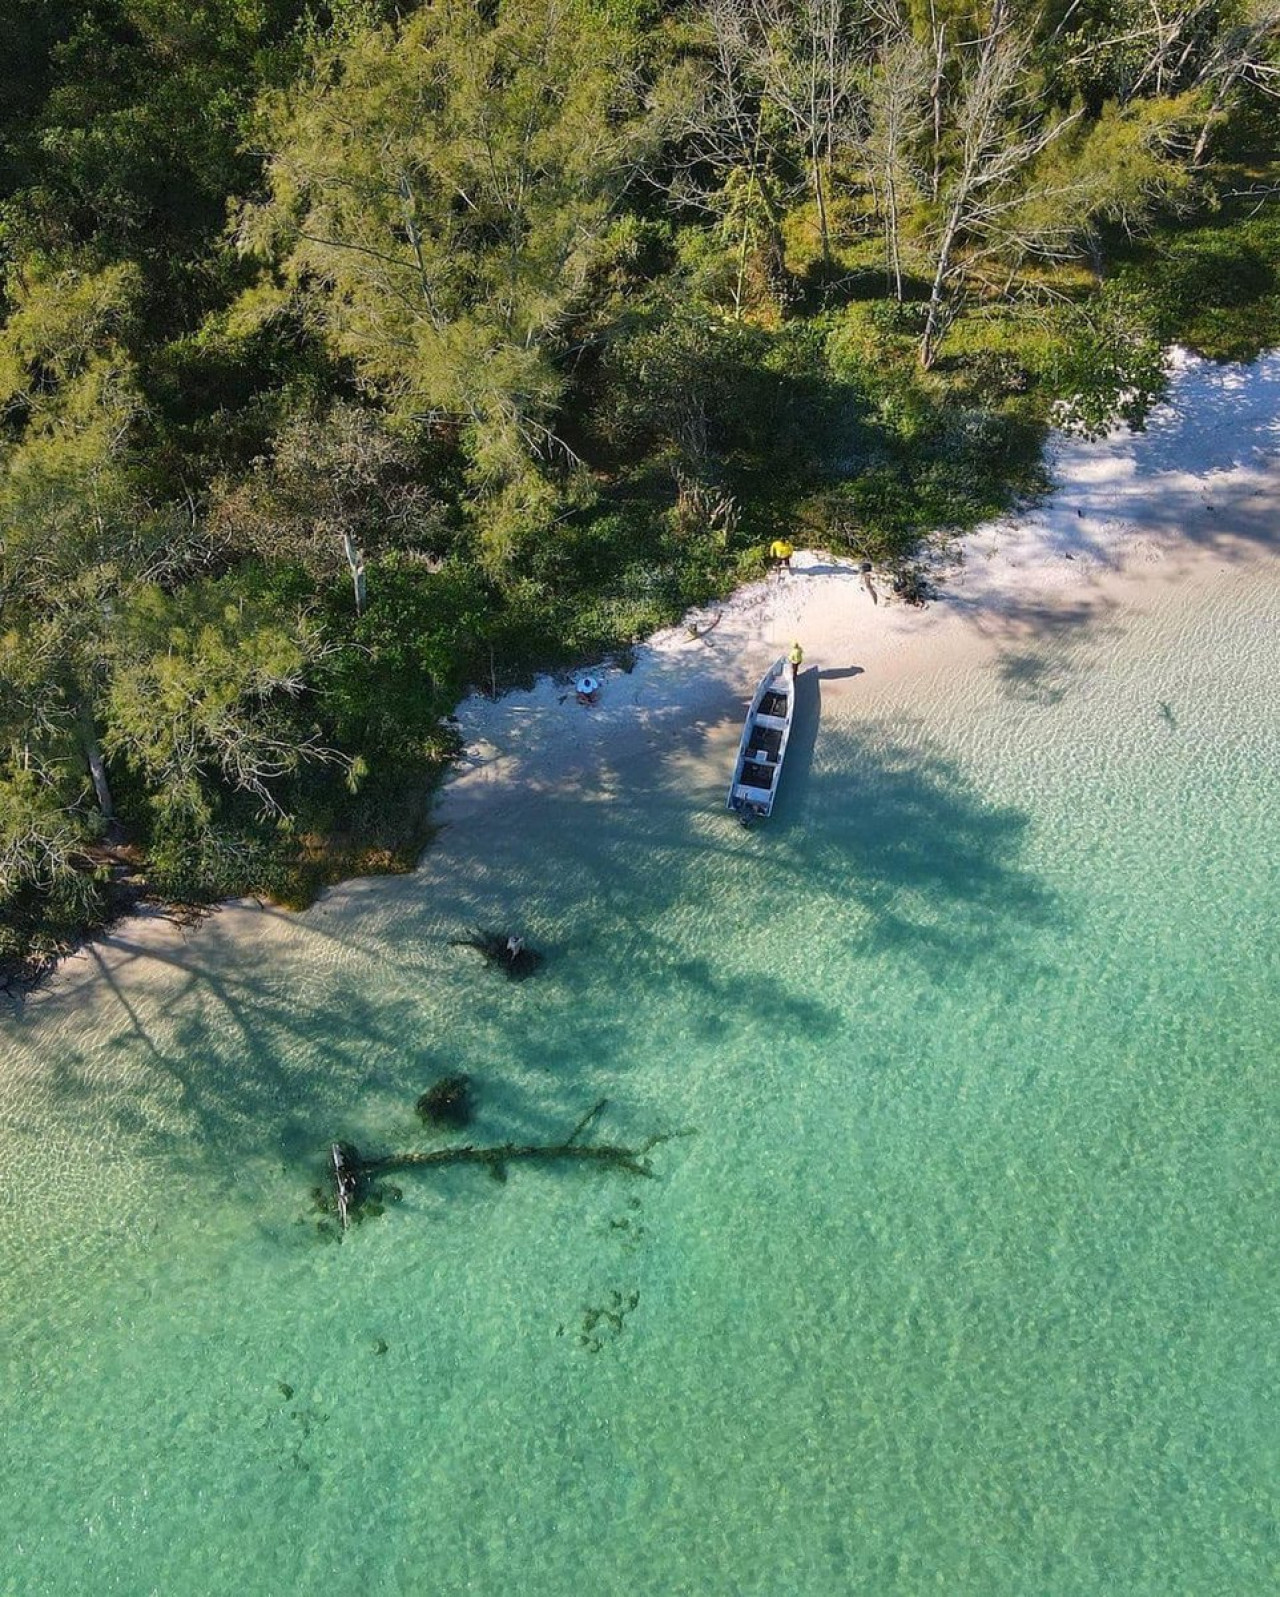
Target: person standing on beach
[(796, 658), (780, 552)]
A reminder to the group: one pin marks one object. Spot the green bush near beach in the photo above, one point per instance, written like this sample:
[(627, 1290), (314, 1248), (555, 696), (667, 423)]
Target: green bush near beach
[(353, 359)]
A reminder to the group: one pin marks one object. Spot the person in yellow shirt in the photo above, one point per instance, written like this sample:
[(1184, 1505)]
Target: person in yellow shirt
[(780, 552), (796, 657)]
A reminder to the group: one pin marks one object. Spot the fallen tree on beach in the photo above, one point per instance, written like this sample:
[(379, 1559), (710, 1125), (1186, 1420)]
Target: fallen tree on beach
[(351, 1170)]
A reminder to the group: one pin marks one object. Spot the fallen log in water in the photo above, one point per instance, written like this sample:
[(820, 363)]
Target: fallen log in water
[(351, 1168)]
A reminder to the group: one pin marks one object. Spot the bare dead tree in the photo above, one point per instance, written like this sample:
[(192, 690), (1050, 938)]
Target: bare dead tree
[(777, 90), (806, 55), (1192, 45), (719, 128), (897, 110), (1243, 54), (999, 131), (937, 87)]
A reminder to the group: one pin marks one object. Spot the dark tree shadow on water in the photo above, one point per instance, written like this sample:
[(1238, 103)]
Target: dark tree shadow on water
[(891, 842), (1034, 677), (933, 869)]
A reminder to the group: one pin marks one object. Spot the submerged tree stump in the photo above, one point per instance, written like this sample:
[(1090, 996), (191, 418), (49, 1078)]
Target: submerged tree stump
[(504, 950), (446, 1102)]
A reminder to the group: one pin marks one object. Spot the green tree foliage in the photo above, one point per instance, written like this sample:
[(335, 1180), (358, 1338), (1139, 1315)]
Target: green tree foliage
[(334, 489), (208, 687), (437, 193), (136, 141), (71, 532), (713, 399), (354, 355), (1113, 363), (48, 889)]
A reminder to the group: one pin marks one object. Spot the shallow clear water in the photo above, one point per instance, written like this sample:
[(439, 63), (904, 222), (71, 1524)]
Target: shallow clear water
[(962, 1275)]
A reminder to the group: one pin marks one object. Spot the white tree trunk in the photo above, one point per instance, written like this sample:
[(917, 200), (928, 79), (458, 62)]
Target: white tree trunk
[(97, 766), (356, 561)]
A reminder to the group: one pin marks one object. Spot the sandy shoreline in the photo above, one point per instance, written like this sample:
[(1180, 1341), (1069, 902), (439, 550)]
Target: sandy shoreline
[(1199, 490), (1197, 493)]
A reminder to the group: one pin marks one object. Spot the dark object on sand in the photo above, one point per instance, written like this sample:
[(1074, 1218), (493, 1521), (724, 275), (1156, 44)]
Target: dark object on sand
[(696, 632), (447, 1102), (911, 584), (503, 949)]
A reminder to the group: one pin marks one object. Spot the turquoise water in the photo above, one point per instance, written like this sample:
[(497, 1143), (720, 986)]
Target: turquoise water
[(961, 1275)]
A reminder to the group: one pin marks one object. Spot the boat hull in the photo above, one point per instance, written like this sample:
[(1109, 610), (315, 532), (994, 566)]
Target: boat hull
[(763, 745)]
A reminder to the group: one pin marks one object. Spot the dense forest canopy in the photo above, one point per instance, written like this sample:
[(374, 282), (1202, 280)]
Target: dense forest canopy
[(351, 356)]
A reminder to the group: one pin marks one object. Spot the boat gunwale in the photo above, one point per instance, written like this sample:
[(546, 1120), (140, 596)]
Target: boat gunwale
[(746, 799)]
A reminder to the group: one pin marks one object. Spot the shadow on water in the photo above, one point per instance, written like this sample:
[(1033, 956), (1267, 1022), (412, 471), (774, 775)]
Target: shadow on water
[(931, 870), (1036, 678), (796, 772), (1046, 649), (882, 839)]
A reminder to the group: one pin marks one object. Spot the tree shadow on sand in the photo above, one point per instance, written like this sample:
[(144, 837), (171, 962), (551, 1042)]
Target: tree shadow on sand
[(227, 1062), (1230, 420), (882, 837)]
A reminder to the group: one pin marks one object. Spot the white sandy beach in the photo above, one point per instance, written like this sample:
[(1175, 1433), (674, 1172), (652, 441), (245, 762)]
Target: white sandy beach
[(1196, 494)]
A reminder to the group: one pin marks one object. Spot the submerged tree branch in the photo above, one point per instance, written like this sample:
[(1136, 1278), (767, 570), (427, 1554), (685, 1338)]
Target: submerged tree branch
[(350, 1170)]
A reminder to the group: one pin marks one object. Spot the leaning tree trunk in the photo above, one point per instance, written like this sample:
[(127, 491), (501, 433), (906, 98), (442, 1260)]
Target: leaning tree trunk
[(93, 759), (892, 231), (356, 562), (936, 317), (820, 197)]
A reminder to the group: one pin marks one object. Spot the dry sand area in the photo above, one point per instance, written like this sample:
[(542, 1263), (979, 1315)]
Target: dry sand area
[(1195, 494)]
